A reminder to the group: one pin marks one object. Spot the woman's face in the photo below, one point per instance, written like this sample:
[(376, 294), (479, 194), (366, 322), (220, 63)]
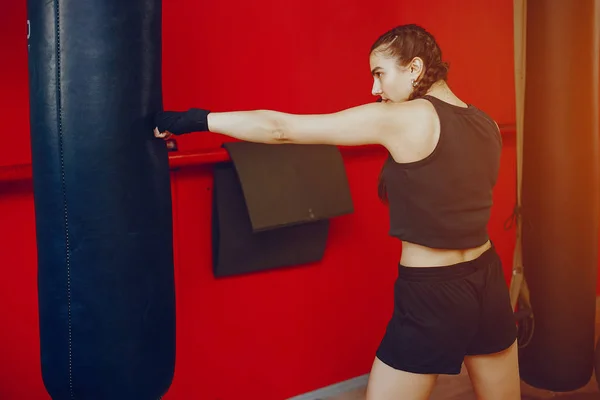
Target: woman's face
[(392, 82)]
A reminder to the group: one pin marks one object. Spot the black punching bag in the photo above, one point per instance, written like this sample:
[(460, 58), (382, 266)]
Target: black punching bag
[(560, 191), (102, 199)]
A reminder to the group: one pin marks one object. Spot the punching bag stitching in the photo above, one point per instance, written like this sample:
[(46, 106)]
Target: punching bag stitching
[(64, 193)]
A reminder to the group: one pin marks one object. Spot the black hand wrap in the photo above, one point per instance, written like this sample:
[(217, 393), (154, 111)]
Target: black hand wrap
[(180, 122)]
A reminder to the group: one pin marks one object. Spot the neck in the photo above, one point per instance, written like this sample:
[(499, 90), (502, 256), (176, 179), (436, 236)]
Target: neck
[(442, 91), (439, 88)]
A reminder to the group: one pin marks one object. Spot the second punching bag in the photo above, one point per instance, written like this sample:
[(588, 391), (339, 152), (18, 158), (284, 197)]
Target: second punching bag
[(102, 199), (560, 191)]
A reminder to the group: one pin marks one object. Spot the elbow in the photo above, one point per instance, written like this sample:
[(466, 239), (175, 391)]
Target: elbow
[(278, 128), (280, 136)]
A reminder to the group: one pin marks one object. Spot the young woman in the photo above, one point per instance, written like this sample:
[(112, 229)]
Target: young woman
[(451, 301)]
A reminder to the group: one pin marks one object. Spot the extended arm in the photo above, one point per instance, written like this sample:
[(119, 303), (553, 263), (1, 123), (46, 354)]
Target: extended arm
[(372, 123), (367, 124)]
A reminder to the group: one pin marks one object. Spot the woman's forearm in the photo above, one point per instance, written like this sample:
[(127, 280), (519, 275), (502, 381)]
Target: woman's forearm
[(260, 126)]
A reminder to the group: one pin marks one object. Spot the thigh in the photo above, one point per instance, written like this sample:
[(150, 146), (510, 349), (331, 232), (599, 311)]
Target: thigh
[(495, 376), (387, 383)]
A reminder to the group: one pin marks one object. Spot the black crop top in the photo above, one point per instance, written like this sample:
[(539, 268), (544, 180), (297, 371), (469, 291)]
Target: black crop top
[(444, 200)]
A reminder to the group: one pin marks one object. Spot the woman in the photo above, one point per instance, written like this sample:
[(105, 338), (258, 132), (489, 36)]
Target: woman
[(451, 300)]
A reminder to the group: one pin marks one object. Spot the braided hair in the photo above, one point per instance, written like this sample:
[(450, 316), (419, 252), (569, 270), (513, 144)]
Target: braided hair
[(404, 43)]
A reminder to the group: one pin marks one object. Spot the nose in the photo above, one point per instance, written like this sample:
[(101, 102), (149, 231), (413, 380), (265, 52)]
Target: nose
[(376, 89)]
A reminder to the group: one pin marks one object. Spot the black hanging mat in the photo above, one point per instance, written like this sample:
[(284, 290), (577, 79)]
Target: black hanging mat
[(272, 205)]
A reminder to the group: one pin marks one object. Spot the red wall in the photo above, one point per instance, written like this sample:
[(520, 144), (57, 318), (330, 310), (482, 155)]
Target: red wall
[(281, 333)]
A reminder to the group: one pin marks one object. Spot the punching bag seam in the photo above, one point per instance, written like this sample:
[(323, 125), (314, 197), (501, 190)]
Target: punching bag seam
[(64, 193)]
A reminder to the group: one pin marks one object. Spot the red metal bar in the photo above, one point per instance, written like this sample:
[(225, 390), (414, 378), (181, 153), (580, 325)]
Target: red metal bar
[(508, 129), (190, 159), (15, 172), (205, 157)]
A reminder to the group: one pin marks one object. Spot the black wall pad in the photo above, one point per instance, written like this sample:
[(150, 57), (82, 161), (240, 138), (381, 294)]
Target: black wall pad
[(288, 184), (102, 199), (237, 249)]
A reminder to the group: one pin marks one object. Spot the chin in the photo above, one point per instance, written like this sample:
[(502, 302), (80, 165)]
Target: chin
[(399, 99)]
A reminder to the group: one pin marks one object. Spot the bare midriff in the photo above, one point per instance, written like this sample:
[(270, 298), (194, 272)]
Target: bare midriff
[(415, 255)]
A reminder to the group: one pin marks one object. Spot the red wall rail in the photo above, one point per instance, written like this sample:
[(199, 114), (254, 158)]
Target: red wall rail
[(185, 159)]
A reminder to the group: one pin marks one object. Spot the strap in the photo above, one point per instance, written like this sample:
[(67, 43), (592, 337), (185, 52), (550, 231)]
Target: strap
[(518, 283)]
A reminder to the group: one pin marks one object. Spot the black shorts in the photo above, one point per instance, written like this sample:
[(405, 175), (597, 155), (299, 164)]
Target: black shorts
[(442, 314)]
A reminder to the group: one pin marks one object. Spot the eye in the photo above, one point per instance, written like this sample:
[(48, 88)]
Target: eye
[(378, 74)]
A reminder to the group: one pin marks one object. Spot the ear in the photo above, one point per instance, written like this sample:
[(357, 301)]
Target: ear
[(416, 67)]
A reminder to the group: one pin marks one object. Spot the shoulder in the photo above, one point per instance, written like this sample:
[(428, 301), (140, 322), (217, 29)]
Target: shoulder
[(413, 131), (494, 127), (412, 112), (411, 116)]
